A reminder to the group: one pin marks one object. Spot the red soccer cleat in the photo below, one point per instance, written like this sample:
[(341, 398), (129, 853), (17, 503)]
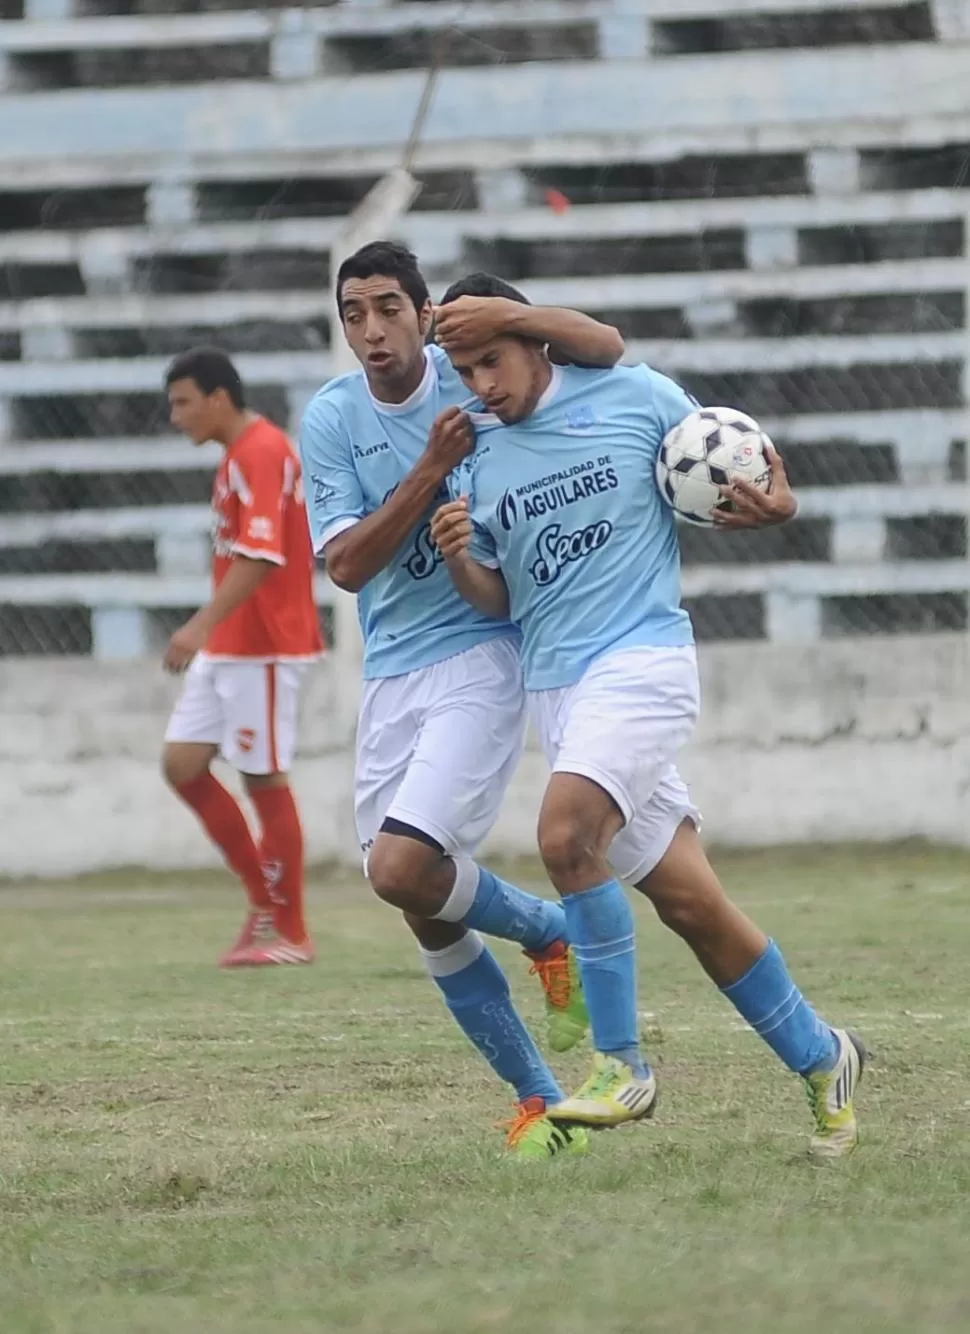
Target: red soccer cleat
[(262, 953), (258, 926)]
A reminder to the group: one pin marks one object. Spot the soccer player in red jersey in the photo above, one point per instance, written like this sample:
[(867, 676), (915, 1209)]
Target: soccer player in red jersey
[(245, 655)]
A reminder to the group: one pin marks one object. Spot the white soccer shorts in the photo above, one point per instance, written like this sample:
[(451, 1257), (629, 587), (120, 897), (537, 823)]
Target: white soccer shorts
[(436, 747), (621, 726), (249, 710)]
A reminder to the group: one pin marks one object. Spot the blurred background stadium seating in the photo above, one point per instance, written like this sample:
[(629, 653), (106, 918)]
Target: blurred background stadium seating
[(732, 182)]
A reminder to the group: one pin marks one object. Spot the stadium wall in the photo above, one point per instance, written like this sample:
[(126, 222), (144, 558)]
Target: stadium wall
[(849, 740)]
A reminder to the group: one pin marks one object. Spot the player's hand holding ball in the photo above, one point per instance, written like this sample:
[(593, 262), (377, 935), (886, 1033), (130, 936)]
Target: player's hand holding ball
[(452, 439), (451, 529), (753, 508)]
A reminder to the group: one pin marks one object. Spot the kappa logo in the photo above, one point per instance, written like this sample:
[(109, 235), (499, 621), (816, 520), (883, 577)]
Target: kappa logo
[(365, 451), (245, 739)]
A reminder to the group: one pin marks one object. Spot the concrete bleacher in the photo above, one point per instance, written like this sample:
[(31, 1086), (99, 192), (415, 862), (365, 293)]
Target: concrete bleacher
[(749, 204)]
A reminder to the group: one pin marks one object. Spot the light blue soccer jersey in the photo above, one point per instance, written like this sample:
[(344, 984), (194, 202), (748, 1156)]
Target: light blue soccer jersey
[(566, 505), (355, 452)]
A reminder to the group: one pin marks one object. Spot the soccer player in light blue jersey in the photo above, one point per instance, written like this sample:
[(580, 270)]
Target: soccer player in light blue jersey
[(558, 523), (443, 711)]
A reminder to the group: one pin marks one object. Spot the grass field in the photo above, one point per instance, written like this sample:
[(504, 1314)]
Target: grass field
[(186, 1150)]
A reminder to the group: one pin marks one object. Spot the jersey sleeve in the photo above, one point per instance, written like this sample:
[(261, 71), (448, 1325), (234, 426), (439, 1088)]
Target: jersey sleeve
[(671, 403), (262, 479), (335, 501), (482, 547)]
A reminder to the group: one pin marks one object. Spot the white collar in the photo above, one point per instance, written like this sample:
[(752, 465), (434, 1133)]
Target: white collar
[(550, 391), (414, 399)]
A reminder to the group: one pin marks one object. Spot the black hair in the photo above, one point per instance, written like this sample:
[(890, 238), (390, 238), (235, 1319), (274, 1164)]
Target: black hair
[(211, 369), (384, 259), (483, 284)]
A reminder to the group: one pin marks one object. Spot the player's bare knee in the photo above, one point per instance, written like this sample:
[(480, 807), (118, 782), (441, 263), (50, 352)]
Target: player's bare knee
[(568, 851), (398, 872), (182, 764)]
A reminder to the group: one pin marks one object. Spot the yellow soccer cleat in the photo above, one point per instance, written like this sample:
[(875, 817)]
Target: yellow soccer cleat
[(612, 1094), (830, 1094), (567, 1018), (530, 1133)]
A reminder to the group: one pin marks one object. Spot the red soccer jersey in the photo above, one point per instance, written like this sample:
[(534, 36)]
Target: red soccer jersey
[(259, 511)]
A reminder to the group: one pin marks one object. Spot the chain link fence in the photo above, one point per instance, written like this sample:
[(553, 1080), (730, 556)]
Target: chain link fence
[(844, 331)]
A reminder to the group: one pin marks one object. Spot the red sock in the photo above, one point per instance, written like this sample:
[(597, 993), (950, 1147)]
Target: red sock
[(282, 854), (224, 822)]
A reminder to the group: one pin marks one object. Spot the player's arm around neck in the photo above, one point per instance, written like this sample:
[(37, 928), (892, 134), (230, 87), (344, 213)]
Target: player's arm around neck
[(574, 338), (355, 556), (485, 589)]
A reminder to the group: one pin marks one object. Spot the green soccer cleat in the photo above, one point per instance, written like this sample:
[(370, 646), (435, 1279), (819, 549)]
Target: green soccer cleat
[(532, 1135), (566, 1016), (612, 1094), (830, 1094)]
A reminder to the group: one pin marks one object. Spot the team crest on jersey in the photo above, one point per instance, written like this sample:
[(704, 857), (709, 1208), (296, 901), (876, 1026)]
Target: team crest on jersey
[(580, 418), (260, 528)]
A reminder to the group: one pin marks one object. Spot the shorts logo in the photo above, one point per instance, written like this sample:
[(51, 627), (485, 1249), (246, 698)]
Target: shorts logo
[(245, 739), (556, 549), (508, 511)]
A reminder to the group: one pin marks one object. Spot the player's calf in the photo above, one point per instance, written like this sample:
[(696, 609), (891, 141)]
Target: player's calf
[(418, 877), (476, 992), (576, 825), (186, 768), (281, 854), (752, 974)]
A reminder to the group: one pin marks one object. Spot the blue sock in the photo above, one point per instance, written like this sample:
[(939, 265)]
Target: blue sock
[(602, 934), (481, 900), (774, 1007), (476, 992)]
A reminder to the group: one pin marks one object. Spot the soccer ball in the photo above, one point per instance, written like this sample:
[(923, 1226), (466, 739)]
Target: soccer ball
[(707, 450)]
